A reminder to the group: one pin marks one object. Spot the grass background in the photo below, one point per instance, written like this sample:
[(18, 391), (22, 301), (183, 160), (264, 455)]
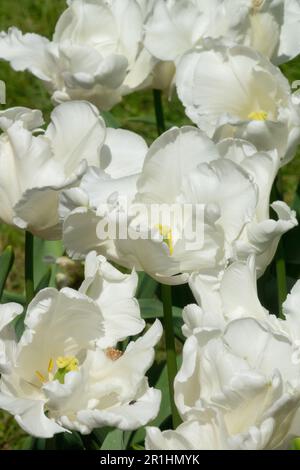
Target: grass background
[(22, 89)]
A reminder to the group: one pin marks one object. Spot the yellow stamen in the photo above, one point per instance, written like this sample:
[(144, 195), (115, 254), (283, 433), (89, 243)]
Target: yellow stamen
[(50, 366), (69, 363), (258, 116), (166, 233), (40, 376)]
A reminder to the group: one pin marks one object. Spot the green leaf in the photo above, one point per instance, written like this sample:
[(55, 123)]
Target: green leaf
[(110, 120), (153, 308), (296, 203), (33, 443), (292, 246), (43, 250), (296, 444), (19, 325), (177, 323), (28, 443), (13, 297), (6, 263), (113, 441), (147, 286), (45, 281), (68, 441)]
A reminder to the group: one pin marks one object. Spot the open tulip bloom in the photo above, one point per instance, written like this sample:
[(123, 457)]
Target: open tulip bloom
[(96, 52), (269, 26), (65, 373), (230, 181), (239, 383), (37, 165), (237, 92), (192, 228)]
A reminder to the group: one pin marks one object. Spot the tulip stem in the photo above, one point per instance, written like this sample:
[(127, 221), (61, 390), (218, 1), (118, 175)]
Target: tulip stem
[(166, 294), (281, 279), (166, 291), (29, 257), (159, 112)]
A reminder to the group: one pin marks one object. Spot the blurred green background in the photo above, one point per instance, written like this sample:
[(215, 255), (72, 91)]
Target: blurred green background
[(40, 16)]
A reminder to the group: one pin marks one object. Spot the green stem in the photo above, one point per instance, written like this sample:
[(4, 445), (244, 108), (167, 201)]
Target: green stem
[(159, 112), (166, 294), (29, 257), (281, 278)]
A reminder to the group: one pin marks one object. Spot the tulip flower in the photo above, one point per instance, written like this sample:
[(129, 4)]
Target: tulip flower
[(230, 182), (66, 372), (96, 52), (269, 26), (239, 384), (236, 92), (122, 161), (36, 165)]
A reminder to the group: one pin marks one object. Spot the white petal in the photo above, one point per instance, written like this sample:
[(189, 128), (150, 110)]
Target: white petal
[(114, 293), (123, 154), (30, 415), (31, 118), (263, 237), (240, 299), (76, 133), (225, 184), (126, 417), (8, 312), (80, 233), (168, 156), (169, 30), (27, 52)]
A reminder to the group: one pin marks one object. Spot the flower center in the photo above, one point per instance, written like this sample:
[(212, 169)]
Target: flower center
[(166, 233), (58, 369), (256, 4), (258, 116)]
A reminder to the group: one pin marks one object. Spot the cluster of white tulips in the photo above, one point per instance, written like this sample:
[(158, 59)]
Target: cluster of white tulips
[(77, 360)]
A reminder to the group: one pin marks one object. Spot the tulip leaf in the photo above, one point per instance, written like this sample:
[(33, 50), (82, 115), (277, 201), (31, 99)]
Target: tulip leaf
[(68, 441), (296, 202), (177, 324), (147, 286), (153, 308), (45, 281), (296, 444), (32, 443), (13, 297), (110, 120), (46, 250), (28, 443), (292, 246), (6, 263), (113, 441)]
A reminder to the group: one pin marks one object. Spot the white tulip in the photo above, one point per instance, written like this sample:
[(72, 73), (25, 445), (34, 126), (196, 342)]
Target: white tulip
[(238, 387), (96, 52), (65, 373), (202, 434), (236, 92), (100, 191), (229, 181), (36, 165), (261, 235), (269, 26), (230, 299)]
